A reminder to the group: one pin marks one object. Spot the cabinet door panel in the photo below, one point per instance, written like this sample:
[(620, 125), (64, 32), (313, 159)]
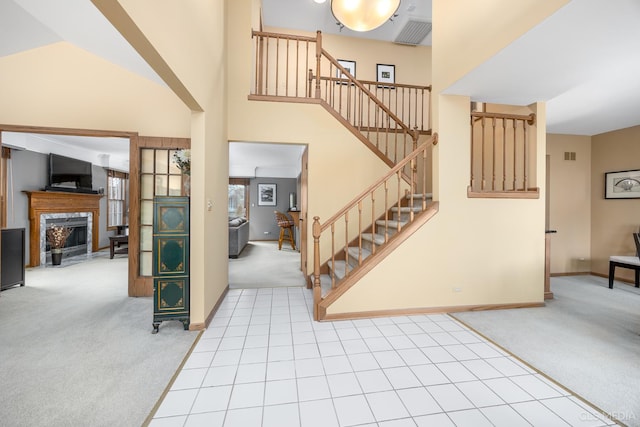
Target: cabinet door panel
[(172, 255), (172, 295), (171, 216)]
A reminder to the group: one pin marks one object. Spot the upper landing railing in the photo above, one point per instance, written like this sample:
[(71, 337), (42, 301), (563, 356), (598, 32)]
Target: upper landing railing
[(503, 160), (389, 116)]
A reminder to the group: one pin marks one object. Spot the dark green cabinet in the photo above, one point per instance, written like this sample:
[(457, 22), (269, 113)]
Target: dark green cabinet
[(170, 260)]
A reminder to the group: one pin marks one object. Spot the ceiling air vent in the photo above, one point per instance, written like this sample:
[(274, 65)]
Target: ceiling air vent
[(413, 32)]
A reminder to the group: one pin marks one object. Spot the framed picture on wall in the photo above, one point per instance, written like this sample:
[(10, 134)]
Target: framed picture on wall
[(350, 66), (267, 194), (622, 185), (386, 73)]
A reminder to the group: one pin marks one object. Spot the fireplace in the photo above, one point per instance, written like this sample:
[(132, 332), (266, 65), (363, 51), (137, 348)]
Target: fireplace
[(78, 242), (58, 205)]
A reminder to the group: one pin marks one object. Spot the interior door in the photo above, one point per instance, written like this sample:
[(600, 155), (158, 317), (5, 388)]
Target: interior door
[(152, 173)]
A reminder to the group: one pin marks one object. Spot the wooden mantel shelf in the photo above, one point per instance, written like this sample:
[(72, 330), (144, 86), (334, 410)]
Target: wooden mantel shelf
[(46, 202)]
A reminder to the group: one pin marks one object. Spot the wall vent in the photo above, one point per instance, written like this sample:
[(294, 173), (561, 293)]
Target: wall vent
[(569, 155), (413, 32)]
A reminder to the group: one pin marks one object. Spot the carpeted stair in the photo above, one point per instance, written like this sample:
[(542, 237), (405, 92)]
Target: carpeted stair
[(400, 217)]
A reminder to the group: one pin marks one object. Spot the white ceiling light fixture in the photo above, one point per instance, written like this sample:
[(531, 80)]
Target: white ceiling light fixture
[(319, 1), (363, 15)]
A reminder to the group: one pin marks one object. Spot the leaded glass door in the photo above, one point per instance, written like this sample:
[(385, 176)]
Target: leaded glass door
[(156, 175)]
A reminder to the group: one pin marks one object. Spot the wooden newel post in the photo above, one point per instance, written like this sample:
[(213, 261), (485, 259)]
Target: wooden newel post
[(317, 292), (318, 57)]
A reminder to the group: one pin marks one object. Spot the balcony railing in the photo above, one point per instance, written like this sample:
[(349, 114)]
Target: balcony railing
[(502, 158), (390, 117)]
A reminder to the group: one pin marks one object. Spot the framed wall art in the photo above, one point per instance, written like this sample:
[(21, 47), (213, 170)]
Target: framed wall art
[(386, 73), (350, 66), (622, 184), (267, 194)]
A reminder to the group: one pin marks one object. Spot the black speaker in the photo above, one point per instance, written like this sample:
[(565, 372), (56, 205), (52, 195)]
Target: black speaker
[(12, 259)]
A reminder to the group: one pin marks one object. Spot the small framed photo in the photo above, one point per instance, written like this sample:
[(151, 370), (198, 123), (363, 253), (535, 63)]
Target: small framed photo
[(267, 194), (350, 66), (622, 185), (386, 73)]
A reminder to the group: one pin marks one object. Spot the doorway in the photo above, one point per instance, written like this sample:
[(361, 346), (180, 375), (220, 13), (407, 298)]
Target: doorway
[(35, 159), (266, 178)]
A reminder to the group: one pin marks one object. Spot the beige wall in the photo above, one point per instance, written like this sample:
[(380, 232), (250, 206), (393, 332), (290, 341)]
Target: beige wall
[(613, 220), (570, 203), (492, 250), (191, 58), (60, 85), (468, 32), (473, 252), (334, 178)]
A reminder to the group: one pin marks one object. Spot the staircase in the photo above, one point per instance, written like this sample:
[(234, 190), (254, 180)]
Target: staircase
[(390, 124), (372, 242), (380, 219)]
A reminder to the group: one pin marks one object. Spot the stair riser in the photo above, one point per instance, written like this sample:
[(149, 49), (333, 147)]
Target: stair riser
[(353, 260), (339, 274), (367, 245)]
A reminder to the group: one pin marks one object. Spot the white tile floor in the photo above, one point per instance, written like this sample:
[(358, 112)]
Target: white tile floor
[(264, 362)]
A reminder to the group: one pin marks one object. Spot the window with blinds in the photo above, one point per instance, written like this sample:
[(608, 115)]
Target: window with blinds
[(117, 198)]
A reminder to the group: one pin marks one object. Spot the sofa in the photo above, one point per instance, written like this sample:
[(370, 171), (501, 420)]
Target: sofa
[(238, 235)]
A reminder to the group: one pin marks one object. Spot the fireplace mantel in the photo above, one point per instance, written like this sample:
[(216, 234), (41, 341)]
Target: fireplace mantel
[(46, 202)]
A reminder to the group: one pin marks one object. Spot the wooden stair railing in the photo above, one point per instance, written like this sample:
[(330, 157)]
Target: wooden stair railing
[(366, 229), (289, 66), (407, 102), (287, 69), (358, 108), (502, 158)]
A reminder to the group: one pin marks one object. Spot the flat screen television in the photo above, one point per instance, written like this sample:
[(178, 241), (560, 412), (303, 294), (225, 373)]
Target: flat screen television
[(66, 173)]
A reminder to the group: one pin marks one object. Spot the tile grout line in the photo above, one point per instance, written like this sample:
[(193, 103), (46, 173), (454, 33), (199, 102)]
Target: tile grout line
[(167, 389), (571, 392)]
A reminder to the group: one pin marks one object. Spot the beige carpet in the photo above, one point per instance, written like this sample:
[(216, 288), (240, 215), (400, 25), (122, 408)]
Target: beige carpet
[(262, 265), (75, 350), (587, 338)]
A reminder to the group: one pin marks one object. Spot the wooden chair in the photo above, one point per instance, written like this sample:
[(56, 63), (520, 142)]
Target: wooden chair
[(286, 227)]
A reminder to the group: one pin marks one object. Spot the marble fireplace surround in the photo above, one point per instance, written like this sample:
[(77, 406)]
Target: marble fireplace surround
[(43, 230), (48, 203)]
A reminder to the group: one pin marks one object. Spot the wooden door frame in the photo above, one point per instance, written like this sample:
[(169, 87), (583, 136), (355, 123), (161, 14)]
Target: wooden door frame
[(137, 285), (304, 179), (134, 239)]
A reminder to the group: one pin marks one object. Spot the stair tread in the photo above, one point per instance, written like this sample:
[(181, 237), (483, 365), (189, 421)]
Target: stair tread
[(406, 209), (392, 223), (420, 196), (378, 239), (354, 252)]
